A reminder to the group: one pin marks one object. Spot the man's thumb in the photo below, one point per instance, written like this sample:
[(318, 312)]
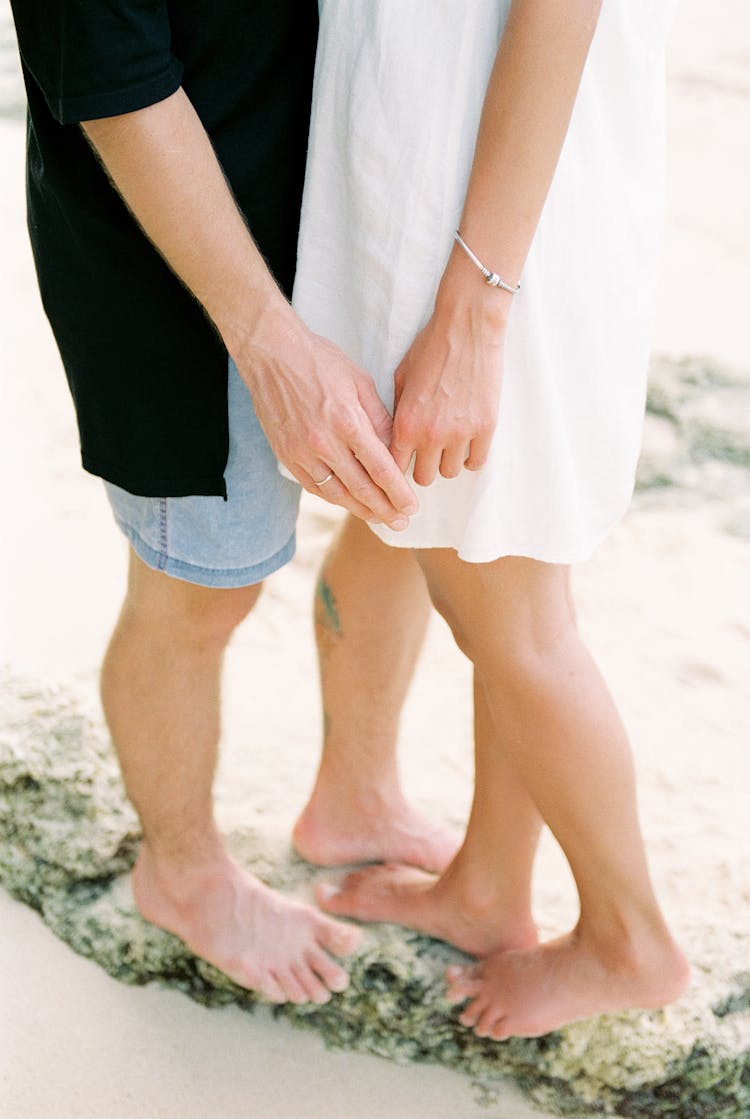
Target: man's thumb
[(376, 411)]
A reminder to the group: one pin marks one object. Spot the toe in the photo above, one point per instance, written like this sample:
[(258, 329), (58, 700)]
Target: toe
[(332, 975), (473, 1012), (464, 971), (346, 899), (489, 1018), (338, 938), (315, 990), (463, 989), (291, 986), (500, 1030), (343, 901), (271, 989), (327, 895)]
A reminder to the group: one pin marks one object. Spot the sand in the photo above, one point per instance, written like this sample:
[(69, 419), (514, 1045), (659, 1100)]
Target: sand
[(664, 604)]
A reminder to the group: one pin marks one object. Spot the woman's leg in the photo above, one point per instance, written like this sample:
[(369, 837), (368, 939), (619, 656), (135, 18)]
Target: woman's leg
[(371, 613), (481, 904), (553, 716)]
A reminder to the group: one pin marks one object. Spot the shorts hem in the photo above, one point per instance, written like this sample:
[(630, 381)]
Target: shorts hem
[(226, 577)]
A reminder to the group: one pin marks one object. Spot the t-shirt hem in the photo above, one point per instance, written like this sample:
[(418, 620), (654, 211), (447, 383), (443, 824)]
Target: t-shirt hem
[(95, 106), (166, 486)]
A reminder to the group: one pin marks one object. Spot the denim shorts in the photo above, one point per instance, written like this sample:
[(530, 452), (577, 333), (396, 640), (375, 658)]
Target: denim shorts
[(207, 540)]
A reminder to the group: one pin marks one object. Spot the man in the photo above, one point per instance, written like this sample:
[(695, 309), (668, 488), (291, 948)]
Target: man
[(176, 133)]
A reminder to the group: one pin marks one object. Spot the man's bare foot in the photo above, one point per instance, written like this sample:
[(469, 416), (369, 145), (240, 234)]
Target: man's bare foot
[(440, 907), (263, 941), (530, 992), (336, 830)]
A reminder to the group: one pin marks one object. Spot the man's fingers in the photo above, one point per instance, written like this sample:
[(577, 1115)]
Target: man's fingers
[(333, 493), (385, 474), (354, 476), (375, 409), (350, 487)]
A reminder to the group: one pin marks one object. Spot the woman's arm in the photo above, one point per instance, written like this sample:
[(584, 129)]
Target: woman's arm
[(448, 384)]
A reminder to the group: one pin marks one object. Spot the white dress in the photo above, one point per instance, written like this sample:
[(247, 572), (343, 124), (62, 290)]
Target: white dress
[(399, 87)]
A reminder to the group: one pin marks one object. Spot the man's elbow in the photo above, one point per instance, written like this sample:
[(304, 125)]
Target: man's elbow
[(103, 130)]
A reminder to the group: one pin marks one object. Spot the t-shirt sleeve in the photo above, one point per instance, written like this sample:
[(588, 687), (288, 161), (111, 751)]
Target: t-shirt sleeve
[(97, 58)]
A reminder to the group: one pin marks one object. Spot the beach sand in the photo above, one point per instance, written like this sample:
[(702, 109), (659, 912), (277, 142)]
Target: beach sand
[(664, 604)]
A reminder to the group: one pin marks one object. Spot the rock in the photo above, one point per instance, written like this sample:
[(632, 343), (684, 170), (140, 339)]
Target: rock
[(67, 839), (663, 454), (696, 442), (708, 405), (717, 425)]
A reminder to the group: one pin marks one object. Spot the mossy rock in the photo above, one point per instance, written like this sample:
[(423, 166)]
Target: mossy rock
[(68, 838)]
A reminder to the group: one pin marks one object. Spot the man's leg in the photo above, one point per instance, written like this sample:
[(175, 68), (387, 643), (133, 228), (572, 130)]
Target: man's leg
[(371, 613), (160, 690)]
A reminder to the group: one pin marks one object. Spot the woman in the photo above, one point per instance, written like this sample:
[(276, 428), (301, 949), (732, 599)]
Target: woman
[(519, 410)]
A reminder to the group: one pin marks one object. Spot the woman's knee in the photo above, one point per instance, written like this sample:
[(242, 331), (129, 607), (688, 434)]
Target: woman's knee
[(515, 612)]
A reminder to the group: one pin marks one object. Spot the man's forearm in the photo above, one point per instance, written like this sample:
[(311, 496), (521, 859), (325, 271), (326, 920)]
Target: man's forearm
[(320, 412), (162, 163)]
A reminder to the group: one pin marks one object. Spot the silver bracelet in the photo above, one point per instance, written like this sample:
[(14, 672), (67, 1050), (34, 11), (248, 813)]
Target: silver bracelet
[(492, 278)]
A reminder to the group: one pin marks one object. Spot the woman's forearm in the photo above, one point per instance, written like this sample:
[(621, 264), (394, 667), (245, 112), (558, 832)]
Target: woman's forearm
[(448, 384), (527, 109)]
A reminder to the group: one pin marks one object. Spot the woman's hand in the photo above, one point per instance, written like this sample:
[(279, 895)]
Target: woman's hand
[(448, 384)]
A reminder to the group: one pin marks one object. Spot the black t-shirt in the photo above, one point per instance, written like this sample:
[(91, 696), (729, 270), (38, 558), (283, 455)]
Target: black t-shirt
[(147, 371)]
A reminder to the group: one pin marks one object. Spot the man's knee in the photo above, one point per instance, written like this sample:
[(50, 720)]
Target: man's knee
[(194, 614)]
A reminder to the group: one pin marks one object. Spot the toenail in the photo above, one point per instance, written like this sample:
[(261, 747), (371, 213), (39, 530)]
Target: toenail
[(326, 891)]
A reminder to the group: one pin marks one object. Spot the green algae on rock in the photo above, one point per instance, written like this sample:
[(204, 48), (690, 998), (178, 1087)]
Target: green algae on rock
[(696, 416), (68, 837)]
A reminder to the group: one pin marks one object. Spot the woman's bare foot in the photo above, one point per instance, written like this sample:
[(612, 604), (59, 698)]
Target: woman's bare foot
[(263, 941), (530, 992), (439, 907), (336, 830)]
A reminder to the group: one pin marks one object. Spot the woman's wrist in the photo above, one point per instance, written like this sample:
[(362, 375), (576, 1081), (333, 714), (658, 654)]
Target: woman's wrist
[(463, 290)]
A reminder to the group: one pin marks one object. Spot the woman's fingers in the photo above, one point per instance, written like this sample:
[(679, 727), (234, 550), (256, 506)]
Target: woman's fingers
[(427, 464), (453, 459), (402, 451), (479, 450)]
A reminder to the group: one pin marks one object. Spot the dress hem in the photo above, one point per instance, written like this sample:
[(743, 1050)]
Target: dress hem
[(563, 556)]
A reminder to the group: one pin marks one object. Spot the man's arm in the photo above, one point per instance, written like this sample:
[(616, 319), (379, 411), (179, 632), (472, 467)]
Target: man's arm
[(320, 412)]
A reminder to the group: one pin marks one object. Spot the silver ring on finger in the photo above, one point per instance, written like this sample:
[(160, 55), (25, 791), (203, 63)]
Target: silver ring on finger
[(323, 481)]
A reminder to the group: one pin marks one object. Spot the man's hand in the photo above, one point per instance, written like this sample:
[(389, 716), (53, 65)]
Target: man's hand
[(322, 416), (448, 384), (319, 410)]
